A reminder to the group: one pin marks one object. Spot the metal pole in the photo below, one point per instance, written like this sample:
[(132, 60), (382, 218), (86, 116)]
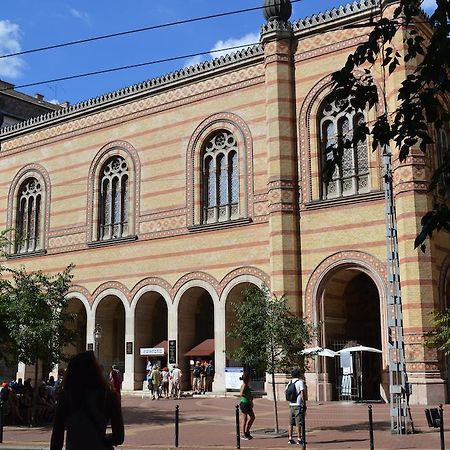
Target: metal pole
[(303, 420), (1, 422), (238, 435), (372, 444), (441, 426), (177, 424)]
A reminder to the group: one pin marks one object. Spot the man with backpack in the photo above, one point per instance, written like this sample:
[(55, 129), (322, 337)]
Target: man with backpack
[(209, 373), (295, 395)]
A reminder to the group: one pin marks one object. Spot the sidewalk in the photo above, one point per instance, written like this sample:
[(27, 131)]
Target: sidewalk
[(207, 423)]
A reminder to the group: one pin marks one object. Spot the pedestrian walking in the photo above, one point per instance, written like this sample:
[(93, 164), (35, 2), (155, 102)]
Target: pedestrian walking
[(85, 405), (175, 379), (295, 395), (246, 407), (156, 382)]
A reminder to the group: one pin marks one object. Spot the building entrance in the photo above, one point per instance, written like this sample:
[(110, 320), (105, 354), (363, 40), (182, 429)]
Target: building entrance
[(195, 326), (351, 316)]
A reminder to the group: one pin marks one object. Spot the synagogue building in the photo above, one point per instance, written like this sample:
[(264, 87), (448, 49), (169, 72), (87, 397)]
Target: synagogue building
[(175, 195)]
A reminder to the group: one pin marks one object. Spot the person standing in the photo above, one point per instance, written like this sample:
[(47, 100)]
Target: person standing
[(196, 378), (85, 405), (156, 382), (295, 395), (209, 372), (246, 407), (175, 378), (115, 378)]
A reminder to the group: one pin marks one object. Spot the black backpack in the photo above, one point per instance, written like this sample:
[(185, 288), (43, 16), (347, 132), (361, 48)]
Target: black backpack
[(291, 392), (197, 371)]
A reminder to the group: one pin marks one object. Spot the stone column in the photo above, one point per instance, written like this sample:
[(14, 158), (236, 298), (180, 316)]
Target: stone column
[(281, 142), (128, 376)]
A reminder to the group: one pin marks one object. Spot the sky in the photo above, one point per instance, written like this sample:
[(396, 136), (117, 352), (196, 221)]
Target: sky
[(27, 25)]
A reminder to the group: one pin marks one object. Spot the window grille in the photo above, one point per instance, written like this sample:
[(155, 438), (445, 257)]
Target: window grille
[(29, 220), (114, 201), (351, 176), (220, 178)]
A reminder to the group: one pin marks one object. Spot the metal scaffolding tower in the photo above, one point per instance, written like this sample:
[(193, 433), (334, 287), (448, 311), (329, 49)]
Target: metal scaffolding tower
[(397, 372)]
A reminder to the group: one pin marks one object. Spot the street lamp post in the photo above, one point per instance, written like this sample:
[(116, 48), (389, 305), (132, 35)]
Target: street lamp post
[(97, 337)]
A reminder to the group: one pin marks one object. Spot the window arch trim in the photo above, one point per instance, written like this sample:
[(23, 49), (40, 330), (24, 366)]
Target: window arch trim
[(38, 172), (236, 125), (129, 154), (308, 133)]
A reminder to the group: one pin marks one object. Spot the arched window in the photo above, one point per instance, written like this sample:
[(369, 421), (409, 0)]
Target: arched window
[(442, 139), (29, 216), (113, 199), (220, 173), (351, 176)]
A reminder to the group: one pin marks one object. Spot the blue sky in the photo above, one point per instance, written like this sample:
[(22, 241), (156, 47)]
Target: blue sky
[(25, 25)]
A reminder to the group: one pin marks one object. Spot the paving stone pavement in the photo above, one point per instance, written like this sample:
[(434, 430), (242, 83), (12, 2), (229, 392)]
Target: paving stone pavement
[(207, 423)]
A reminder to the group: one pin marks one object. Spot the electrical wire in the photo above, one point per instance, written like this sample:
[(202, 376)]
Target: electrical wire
[(136, 30), (131, 66)]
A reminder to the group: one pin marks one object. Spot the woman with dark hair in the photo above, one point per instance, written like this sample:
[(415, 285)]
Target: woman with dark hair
[(246, 407), (85, 406)]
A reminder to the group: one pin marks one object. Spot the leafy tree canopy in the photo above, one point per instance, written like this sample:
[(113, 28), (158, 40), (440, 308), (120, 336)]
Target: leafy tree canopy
[(270, 337), (440, 337), (34, 316), (422, 100)]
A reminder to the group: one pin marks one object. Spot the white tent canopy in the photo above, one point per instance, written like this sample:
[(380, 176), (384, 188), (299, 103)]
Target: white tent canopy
[(319, 351), (359, 348)]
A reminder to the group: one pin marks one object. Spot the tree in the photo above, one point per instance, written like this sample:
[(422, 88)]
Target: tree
[(34, 316), (421, 97), (271, 337), (440, 337)]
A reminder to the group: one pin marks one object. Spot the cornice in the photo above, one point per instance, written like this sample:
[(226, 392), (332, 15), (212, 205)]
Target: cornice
[(166, 82)]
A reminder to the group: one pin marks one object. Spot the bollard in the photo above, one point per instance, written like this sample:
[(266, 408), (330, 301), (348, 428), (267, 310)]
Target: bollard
[(303, 421), (372, 444), (177, 424), (238, 435), (1, 422), (441, 426)]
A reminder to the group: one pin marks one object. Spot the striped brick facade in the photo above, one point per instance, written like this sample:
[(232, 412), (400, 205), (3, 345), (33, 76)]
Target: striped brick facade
[(174, 278)]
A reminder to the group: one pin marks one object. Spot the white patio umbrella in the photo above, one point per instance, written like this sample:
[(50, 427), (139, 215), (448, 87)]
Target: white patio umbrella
[(319, 351), (359, 348)]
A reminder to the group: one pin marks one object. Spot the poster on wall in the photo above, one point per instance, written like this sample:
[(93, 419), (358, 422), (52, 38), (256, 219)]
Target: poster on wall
[(232, 377)]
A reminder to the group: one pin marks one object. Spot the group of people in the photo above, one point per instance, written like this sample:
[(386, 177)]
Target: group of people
[(17, 400), (296, 396), (164, 383), (202, 377)]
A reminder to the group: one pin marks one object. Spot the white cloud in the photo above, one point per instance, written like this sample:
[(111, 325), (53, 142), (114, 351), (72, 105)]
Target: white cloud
[(217, 50), (429, 5), (84, 16), (193, 61), (10, 43), (245, 41)]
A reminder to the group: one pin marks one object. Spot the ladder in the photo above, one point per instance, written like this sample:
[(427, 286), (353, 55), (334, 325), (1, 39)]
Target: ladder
[(398, 386)]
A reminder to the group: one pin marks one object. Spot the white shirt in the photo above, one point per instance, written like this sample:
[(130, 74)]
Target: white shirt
[(300, 386), (176, 374)]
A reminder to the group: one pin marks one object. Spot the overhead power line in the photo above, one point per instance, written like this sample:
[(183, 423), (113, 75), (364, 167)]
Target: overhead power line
[(131, 66), (137, 30)]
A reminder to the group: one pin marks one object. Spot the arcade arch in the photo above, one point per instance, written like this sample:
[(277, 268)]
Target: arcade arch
[(349, 311), (150, 329), (77, 308), (195, 327), (109, 313)]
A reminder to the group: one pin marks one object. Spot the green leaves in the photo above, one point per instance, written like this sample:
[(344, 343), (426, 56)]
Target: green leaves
[(440, 337), (33, 314), (270, 337), (421, 107)]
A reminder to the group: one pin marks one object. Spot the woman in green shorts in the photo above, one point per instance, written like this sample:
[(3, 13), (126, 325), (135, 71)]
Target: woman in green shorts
[(246, 407)]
